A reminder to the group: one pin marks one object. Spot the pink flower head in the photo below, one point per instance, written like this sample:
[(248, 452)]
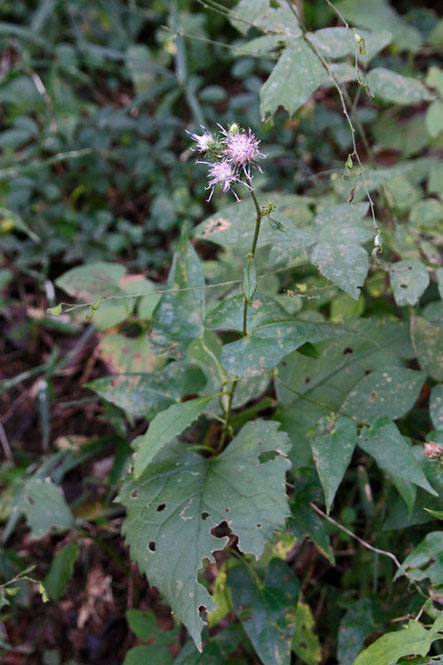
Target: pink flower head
[(242, 149), (203, 141), (223, 173)]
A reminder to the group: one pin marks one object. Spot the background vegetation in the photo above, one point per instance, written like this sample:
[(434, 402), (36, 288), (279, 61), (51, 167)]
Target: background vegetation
[(99, 194)]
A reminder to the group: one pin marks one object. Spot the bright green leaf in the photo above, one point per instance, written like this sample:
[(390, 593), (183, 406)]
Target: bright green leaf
[(413, 640), (164, 428)]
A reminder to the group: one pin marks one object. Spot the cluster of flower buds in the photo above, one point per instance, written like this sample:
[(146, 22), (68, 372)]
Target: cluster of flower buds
[(231, 154)]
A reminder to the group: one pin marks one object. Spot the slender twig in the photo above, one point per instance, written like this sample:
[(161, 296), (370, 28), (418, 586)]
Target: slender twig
[(251, 254)]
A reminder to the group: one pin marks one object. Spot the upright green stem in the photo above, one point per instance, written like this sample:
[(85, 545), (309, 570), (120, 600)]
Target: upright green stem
[(251, 255), (258, 219)]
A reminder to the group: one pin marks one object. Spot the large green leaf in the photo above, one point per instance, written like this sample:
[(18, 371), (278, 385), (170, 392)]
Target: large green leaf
[(343, 371), (333, 442), (409, 280), (174, 506), (339, 42), (338, 253), (391, 391), (427, 339), (356, 625), (164, 428), (177, 319), (413, 640), (379, 16), (395, 88), (296, 76), (387, 446), (234, 225), (61, 570), (228, 315), (143, 395), (305, 642), (265, 346), (267, 611)]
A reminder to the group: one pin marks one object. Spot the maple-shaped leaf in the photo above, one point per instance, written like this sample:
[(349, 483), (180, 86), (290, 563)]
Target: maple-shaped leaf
[(174, 506)]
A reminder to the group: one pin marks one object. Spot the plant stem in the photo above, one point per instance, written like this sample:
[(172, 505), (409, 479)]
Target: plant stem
[(251, 255)]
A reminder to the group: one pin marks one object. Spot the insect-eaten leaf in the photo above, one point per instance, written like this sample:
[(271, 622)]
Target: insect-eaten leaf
[(173, 508)]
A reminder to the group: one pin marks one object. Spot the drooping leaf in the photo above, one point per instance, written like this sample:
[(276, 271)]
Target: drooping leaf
[(395, 88), (177, 319), (387, 446), (305, 642), (436, 406), (61, 570), (267, 611), (144, 395), (414, 640), (219, 650), (409, 280), (356, 625), (164, 428), (338, 253), (427, 339), (333, 442), (173, 507), (265, 346), (296, 76)]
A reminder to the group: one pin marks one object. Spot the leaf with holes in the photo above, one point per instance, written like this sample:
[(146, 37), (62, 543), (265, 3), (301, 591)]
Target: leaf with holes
[(338, 253), (409, 280), (164, 428), (267, 611), (333, 442), (296, 76), (427, 339), (178, 501), (177, 319), (264, 347), (383, 441)]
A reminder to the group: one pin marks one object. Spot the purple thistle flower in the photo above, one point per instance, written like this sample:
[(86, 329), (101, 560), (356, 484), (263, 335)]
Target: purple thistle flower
[(203, 141), (223, 173), (242, 149)]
